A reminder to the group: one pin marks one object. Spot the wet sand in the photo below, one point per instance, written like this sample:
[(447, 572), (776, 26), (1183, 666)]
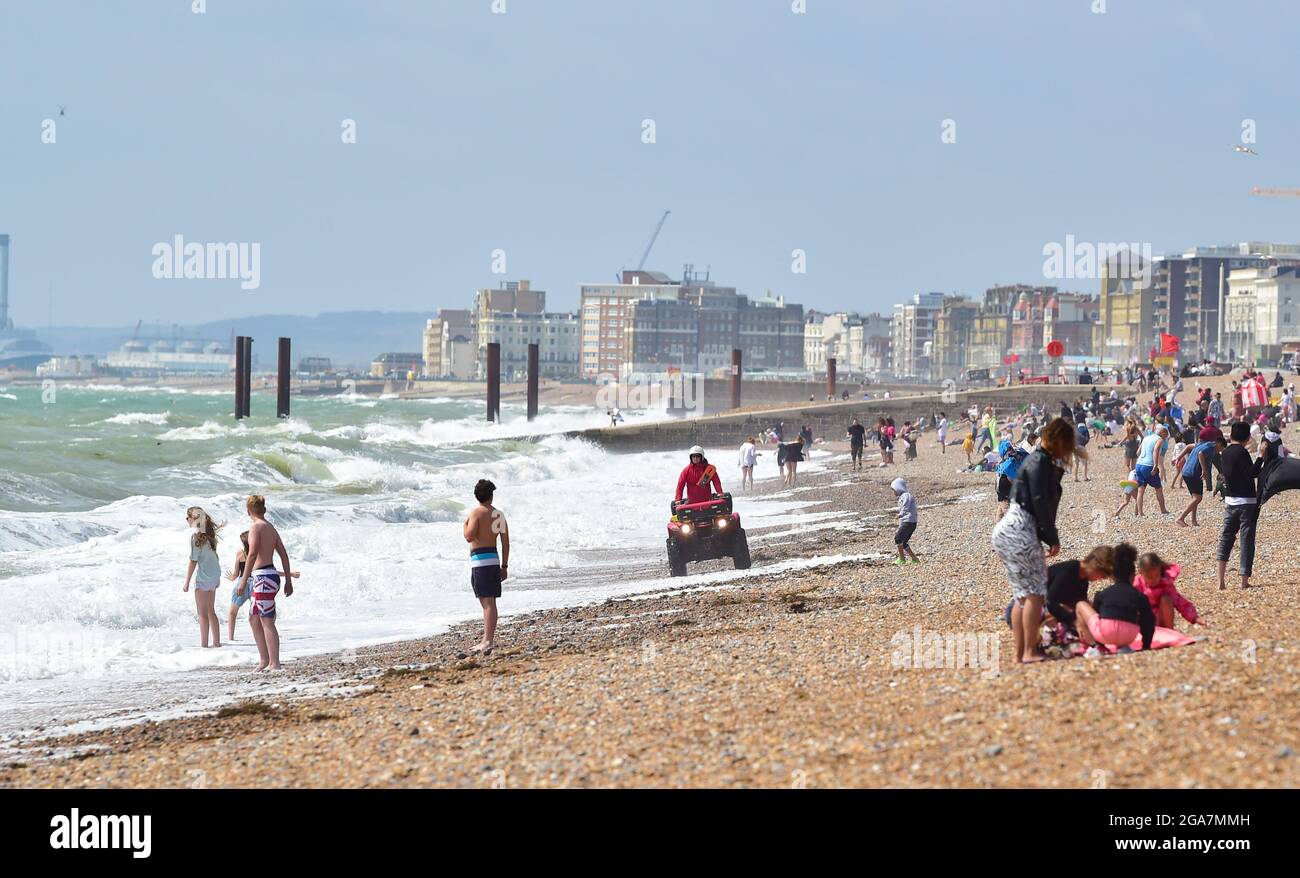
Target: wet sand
[(781, 678)]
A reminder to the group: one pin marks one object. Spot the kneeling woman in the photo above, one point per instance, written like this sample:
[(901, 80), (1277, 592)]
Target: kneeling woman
[(1120, 613), (1029, 523)]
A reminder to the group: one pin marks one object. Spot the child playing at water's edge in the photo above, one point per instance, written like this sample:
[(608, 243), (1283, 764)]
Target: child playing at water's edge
[(262, 582), (203, 559), (907, 519)]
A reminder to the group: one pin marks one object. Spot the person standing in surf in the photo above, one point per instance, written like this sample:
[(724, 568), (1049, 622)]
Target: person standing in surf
[(487, 568), (262, 582), (204, 561), (857, 439), (748, 459)]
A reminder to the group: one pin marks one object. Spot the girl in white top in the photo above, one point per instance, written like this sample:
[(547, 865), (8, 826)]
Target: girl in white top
[(748, 458), (943, 432), (205, 571)]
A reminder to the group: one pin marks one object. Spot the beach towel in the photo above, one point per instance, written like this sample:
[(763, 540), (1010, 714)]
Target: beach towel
[(1164, 637), (1253, 393)]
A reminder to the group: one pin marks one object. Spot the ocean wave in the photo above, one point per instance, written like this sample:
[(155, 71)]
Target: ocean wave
[(215, 430), (158, 419)]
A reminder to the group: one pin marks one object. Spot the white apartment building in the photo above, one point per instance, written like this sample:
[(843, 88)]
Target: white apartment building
[(814, 343), (913, 335), (555, 334), (1261, 312), (846, 337)]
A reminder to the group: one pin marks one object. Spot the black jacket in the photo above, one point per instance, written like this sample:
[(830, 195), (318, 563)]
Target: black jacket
[(1038, 491), (1125, 603), (1239, 471), (1065, 588)]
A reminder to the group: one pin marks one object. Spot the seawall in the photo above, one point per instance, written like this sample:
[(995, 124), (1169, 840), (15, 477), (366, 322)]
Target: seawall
[(829, 419)]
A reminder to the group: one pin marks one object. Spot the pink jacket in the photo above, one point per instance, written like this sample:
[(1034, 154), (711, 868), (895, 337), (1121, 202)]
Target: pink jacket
[(1165, 587)]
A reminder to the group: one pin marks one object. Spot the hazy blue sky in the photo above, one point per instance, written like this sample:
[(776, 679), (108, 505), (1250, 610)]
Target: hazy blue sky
[(522, 131)]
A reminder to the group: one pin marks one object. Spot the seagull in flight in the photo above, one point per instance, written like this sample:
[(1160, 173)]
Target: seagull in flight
[(1244, 149)]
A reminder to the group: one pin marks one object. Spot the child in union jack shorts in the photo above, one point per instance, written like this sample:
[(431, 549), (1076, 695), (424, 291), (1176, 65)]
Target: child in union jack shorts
[(262, 582)]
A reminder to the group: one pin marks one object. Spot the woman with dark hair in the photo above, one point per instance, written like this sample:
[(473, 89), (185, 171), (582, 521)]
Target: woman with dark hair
[(1030, 522), (1118, 615)]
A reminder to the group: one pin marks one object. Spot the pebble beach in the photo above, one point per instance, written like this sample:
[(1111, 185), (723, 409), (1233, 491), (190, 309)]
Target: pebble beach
[(809, 670)]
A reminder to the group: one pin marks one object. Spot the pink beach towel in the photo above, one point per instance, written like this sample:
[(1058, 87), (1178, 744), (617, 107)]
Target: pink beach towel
[(1163, 637)]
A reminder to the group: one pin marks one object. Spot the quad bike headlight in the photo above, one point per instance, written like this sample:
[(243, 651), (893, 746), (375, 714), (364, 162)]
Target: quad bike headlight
[(686, 530), (722, 523)]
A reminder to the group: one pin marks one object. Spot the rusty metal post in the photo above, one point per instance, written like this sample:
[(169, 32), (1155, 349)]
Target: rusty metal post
[(282, 380), (736, 374), (533, 380), (493, 381), (239, 377)]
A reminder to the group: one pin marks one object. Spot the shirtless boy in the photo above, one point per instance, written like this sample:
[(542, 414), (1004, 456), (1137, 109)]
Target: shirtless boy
[(263, 579), (487, 569)]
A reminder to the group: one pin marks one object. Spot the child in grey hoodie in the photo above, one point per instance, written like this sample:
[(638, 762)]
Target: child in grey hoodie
[(907, 519)]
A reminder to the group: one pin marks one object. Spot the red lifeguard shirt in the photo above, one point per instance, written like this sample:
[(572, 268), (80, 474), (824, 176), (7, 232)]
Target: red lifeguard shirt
[(690, 480)]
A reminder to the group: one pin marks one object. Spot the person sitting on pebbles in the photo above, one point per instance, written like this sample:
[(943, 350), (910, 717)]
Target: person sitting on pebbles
[(1119, 614)]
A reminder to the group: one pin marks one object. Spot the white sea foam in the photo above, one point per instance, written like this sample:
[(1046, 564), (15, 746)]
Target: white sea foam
[(158, 419), (371, 516)]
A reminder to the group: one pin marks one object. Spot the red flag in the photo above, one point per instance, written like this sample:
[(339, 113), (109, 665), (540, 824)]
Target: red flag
[(1168, 343)]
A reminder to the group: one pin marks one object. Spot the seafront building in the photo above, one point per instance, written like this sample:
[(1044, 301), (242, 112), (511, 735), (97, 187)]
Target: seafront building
[(1125, 328), (951, 353), (913, 336), (697, 332), (401, 365), (448, 348), (860, 345), (650, 323), (1262, 313), (555, 334), (1189, 290), (605, 310)]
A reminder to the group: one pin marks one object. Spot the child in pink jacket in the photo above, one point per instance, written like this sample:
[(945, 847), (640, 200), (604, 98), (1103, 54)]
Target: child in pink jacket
[(1155, 579)]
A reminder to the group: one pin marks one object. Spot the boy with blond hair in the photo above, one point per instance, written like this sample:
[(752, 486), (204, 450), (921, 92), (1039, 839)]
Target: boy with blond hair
[(263, 581)]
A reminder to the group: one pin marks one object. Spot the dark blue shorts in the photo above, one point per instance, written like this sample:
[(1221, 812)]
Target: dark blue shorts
[(1147, 475)]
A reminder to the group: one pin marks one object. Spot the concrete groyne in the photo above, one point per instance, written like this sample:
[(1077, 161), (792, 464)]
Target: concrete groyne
[(830, 419)]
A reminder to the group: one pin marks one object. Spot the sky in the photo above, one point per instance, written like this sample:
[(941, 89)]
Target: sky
[(524, 132)]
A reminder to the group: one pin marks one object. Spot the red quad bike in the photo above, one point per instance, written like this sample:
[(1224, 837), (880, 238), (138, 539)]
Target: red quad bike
[(704, 531)]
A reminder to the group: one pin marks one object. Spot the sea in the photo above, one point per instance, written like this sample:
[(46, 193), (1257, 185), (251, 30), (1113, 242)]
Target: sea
[(368, 494)]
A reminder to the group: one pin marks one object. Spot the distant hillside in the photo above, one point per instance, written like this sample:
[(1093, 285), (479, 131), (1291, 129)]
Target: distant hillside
[(349, 338)]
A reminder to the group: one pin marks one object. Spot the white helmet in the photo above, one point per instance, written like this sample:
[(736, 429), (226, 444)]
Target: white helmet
[(695, 449)]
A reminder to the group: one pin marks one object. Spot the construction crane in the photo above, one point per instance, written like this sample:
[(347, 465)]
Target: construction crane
[(655, 237), (1275, 193), (648, 247)]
